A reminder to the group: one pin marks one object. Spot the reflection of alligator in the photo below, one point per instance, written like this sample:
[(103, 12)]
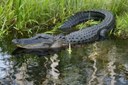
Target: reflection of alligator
[(85, 35), (19, 52)]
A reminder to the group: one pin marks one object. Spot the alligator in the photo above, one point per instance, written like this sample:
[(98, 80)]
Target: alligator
[(83, 36)]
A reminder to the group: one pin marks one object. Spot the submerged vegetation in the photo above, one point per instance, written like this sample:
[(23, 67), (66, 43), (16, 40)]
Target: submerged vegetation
[(35, 16)]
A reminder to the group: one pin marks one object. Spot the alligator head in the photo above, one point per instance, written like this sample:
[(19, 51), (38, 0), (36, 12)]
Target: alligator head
[(40, 41)]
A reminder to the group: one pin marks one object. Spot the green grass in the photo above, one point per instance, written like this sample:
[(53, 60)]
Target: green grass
[(35, 16)]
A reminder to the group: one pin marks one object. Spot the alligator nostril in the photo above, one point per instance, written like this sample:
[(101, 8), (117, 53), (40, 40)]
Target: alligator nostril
[(15, 41)]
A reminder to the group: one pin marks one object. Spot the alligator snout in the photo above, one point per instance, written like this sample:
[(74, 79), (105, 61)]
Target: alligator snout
[(15, 41), (18, 41)]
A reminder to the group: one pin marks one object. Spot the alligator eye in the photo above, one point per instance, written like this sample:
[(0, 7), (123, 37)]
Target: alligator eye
[(38, 37)]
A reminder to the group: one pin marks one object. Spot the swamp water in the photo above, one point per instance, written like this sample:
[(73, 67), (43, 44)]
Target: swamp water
[(100, 63)]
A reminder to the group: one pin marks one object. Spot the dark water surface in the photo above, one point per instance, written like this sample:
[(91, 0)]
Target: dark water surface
[(100, 63)]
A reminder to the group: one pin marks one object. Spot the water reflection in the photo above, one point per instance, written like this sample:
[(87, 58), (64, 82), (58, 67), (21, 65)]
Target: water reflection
[(100, 63)]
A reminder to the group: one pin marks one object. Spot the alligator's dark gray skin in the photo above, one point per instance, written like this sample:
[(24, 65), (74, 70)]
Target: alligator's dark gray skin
[(85, 35)]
